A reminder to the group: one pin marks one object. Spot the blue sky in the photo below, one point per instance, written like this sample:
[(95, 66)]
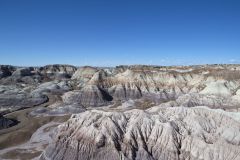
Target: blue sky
[(113, 32)]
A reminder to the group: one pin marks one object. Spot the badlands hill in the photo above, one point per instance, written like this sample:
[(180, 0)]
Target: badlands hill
[(125, 112)]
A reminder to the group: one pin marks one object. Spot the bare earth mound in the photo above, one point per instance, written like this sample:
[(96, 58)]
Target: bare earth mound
[(167, 134)]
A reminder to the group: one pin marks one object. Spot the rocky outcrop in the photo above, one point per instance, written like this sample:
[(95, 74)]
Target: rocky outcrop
[(5, 122), (21, 72), (159, 84), (89, 96), (84, 74), (217, 88), (27, 75), (168, 133), (6, 70), (129, 112), (212, 101), (125, 92), (57, 71), (13, 98), (52, 87), (103, 86)]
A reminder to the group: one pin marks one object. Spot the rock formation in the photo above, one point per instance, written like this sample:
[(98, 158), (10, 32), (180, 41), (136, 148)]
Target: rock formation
[(89, 96), (13, 98), (84, 74), (5, 122), (6, 70), (126, 112), (57, 71), (168, 133), (22, 72)]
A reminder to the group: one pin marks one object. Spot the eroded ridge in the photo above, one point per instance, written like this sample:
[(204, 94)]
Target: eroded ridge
[(177, 133)]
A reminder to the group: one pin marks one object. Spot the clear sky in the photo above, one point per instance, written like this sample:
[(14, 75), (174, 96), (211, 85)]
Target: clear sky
[(113, 32)]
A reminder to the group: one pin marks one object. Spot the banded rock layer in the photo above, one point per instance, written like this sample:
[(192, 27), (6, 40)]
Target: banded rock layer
[(157, 84)]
